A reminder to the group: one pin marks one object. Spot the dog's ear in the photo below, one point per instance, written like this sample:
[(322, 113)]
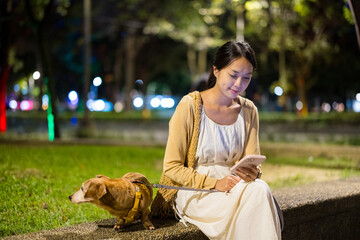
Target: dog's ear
[(102, 176), (96, 190)]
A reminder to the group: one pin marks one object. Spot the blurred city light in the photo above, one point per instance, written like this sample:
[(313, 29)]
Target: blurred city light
[(138, 102), (73, 96), (45, 102), (97, 81), (91, 95), (356, 105), (73, 120), (326, 107), (340, 107), (13, 104), (16, 87), (278, 91), (99, 105), (299, 105), (73, 99), (118, 107), (167, 102), (335, 105), (24, 90), (26, 105), (155, 102), (139, 82), (108, 107), (36, 75)]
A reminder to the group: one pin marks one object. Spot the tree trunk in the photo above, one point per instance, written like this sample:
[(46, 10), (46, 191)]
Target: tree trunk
[(191, 56), (355, 10), (301, 85), (202, 61), (117, 69), (41, 30), (240, 24), (53, 122), (130, 54), (86, 126)]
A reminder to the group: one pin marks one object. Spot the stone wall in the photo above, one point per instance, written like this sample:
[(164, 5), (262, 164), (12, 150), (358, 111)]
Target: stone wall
[(326, 210)]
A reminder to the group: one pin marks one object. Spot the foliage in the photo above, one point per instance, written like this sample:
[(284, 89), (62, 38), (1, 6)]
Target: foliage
[(304, 34), (175, 38)]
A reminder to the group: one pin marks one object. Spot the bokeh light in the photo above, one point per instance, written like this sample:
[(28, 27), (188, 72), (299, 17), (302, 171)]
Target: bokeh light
[(167, 102), (155, 102), (26, 105), (326, 107), (278, 91), (45, 102), (299, 105), (36, 75), (138, 102), (13, 104), (97, 81)]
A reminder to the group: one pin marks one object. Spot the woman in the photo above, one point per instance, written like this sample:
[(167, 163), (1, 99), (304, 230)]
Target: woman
[(208, 133)]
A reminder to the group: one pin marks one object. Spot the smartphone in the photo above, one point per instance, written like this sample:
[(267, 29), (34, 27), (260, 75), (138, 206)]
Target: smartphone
[(248, 160)]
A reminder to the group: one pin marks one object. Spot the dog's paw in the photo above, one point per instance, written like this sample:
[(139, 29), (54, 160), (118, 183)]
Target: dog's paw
[(118, 227), (148, 226)]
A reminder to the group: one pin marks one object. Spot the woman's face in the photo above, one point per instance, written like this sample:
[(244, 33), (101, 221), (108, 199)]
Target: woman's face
[(234, 78)]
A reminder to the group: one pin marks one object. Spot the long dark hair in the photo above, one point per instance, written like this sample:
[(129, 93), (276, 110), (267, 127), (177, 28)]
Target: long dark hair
[(227, 53)]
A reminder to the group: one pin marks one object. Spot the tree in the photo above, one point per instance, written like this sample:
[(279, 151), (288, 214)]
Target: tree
[(195, 24), (40, 13), (302, 34), (355, 10)]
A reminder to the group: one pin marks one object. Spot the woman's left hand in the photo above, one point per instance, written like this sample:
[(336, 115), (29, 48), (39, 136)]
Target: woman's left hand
[(247, 173)]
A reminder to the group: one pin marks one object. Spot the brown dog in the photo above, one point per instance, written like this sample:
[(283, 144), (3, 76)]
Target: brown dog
[(128, 198)]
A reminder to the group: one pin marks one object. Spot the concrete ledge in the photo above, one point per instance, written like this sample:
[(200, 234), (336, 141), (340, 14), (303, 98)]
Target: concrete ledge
[(165, 229), (326, 210)]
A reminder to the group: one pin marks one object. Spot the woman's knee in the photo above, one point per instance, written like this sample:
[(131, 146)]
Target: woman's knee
[(261, 187)]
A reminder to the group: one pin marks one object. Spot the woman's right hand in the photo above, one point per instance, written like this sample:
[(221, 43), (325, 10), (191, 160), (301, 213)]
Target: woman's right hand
[(227, 183)]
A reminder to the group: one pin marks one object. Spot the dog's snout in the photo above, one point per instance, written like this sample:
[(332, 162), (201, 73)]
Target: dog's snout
[(70, 197)]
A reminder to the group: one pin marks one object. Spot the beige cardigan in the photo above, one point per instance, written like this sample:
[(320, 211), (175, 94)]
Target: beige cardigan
[(179, 160)]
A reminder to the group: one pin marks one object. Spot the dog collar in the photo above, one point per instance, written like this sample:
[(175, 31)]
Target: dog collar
[(131, 214)]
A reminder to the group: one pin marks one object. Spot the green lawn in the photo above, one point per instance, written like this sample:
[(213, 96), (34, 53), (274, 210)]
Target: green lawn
[(36, 180)]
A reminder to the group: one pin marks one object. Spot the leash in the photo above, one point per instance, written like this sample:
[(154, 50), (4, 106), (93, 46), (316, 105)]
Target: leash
[(182, 188)]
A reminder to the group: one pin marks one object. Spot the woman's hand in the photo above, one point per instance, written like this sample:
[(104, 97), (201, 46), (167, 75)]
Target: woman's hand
[(227, 183), (247, 173)]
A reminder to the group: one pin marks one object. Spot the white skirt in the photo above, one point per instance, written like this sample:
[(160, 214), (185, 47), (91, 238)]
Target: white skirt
[(247, 212)]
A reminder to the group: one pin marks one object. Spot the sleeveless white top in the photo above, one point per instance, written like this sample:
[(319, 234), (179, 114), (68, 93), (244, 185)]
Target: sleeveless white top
[(220, 145)]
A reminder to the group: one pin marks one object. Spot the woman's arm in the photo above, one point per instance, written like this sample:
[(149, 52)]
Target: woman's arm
[(252, 145), (180, 132)]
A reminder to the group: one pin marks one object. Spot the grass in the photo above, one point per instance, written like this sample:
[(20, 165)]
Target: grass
[(36, 180)]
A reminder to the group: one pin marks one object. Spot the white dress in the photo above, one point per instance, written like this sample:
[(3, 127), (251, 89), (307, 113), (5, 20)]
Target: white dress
[(248, 211)]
